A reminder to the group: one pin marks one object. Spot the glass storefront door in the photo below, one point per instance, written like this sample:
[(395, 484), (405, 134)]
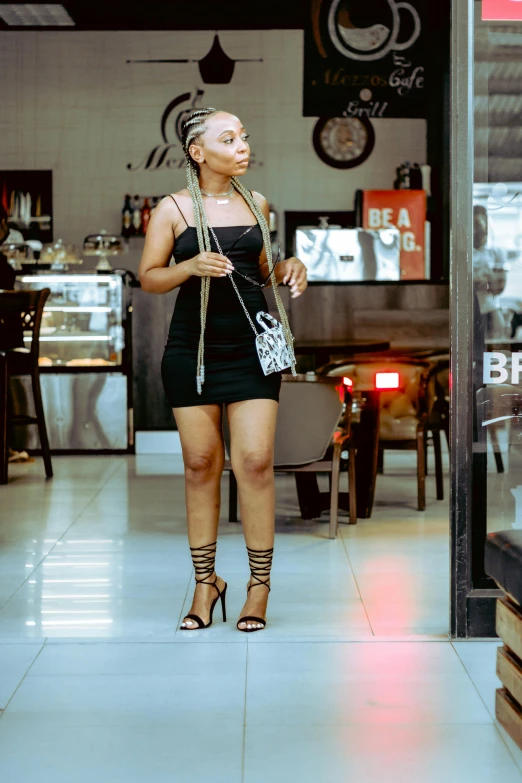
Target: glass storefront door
[(486, 209)]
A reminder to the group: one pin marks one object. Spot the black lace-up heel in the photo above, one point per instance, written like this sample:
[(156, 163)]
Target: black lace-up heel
[(260, 561), (204, 558)]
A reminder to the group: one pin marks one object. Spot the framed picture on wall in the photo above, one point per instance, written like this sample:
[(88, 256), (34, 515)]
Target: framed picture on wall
[(28, 198)]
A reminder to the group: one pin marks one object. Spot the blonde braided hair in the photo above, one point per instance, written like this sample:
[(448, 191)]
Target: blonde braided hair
[(192, 129)]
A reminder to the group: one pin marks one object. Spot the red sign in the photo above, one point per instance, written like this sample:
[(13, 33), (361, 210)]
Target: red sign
[(406, 210), (502, 10)]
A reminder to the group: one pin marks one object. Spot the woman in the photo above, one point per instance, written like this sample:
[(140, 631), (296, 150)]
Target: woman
[(489, 276), (217, 231)]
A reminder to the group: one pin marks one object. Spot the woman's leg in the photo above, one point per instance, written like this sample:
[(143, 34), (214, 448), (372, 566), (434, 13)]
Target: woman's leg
[(200, 430), (252, 432)]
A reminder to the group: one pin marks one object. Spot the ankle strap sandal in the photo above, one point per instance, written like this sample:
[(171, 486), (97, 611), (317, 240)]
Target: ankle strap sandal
[(204, 559), (260, 561)]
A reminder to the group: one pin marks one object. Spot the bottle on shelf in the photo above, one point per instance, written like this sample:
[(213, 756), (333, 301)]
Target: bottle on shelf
[(136, 216), (126, 222), (145, 216), (403, 181), (416, 177), (407, 175)]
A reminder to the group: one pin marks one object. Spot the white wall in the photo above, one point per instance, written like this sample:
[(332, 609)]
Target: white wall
[(70, 103)]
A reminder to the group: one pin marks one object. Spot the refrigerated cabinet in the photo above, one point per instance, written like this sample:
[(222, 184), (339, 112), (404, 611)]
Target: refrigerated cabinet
[(85, 362)]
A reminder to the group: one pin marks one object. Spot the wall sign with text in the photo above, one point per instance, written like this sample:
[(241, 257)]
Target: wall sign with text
[(499, 368), (405, 210), (168, 154), (502, 10), (365, 59)]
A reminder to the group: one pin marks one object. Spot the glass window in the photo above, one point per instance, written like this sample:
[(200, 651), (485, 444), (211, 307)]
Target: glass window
[(486, 252), (497, 273)]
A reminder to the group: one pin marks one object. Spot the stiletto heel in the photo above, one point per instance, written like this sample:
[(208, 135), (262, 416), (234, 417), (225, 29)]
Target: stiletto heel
[(260, 561), (204, 558), (223, 603)]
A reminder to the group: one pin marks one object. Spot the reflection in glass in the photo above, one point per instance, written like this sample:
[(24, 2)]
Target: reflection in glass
[(337, 255)]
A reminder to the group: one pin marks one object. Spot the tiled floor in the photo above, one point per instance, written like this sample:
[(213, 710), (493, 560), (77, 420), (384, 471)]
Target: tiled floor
[(353, 679)]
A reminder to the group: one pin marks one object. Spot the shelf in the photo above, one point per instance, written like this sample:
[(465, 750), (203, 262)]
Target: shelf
[(79, 278), (63, 369), (72, 339), (77, 309)]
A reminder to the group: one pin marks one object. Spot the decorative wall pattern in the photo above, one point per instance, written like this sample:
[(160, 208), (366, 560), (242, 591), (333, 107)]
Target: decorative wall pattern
[(71, 103)]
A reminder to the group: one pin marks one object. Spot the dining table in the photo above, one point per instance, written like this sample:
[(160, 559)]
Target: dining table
[(320, 351), (312, 502), (366, 433)]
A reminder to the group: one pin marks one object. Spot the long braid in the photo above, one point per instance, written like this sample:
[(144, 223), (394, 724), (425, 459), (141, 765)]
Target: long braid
[(192, 128)]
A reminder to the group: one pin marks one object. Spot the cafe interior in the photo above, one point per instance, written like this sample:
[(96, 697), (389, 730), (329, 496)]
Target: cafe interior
[(360, 200), (349, 111)]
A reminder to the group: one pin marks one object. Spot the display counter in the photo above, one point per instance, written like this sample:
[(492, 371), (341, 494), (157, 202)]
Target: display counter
[(85, 362)]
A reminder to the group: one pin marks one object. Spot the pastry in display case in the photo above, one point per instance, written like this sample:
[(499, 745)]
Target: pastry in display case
[(82, 320), (103, 245), (85, 361), (60, 256)]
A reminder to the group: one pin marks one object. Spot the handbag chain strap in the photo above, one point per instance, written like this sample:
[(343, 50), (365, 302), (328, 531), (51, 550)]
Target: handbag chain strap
[(234, 282)]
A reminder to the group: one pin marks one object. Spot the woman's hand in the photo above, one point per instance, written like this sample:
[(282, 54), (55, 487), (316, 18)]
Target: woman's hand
[(210, 265), (295, 276)]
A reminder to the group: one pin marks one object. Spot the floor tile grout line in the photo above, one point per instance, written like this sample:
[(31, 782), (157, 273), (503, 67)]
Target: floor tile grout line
[(243, 747), (356, 583), (493, 718), (4, 710), (65, 532), (93, 498)]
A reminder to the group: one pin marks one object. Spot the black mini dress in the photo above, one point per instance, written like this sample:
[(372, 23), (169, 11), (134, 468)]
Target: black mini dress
[(232, 368)]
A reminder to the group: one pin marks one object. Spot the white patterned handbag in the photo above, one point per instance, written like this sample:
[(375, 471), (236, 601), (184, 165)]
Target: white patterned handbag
[(272, 349)]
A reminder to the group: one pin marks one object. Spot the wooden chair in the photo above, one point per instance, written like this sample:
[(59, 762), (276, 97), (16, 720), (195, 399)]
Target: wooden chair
[(404, 414), (313, 430), (28, 307)]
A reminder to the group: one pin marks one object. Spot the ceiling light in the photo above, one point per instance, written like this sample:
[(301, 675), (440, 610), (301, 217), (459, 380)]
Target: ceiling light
[(35, 15)]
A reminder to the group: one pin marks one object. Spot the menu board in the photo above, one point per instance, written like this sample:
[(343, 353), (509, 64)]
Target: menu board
[(365, 59), (406, 210)]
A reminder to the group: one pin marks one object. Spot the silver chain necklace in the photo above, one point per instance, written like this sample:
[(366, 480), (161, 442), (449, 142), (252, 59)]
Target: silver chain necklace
[(219, 198)]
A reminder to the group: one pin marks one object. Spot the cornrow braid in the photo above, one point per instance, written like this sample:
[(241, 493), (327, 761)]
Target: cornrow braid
[(192, 129)]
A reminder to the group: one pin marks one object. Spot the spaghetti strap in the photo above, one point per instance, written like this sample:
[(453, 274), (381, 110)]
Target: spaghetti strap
[(179, 210)]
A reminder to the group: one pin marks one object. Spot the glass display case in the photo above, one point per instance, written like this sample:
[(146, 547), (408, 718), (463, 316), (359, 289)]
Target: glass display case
[(82, 323), (85, 362)]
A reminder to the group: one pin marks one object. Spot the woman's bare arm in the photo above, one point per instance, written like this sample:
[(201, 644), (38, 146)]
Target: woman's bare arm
[(292, 270), (155, 275)]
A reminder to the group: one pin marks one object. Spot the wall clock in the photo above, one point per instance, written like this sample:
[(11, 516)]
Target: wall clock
[(343, 142)]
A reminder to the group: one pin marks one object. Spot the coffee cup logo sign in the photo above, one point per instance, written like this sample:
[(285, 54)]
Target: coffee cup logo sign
[(169, 153), (365, 59), (371, 43)]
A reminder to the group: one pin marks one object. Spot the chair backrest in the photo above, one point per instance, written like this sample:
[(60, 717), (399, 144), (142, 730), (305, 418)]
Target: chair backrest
[(310, 408), (21, 312), (400, 408)]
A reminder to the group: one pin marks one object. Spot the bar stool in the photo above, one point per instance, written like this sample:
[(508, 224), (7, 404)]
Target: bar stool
[(26, 308)]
